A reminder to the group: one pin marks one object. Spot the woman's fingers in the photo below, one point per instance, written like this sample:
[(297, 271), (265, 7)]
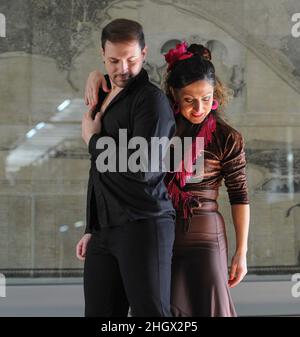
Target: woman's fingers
[(90, 94), (95, 81), (87, 94), (232, 271), (86, 99), (236, 280), (91, 97), (237, 277), (104, 85)]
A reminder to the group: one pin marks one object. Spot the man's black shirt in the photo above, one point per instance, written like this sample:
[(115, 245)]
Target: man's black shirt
[(115, 198)]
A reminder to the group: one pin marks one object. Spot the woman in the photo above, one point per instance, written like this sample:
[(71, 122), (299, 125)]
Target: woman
[(200, 284)]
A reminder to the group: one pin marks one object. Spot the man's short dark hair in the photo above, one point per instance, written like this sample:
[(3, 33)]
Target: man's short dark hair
[(123, 30)]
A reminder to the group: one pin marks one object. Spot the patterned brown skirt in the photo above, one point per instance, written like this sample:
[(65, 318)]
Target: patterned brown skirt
[(199, 267)]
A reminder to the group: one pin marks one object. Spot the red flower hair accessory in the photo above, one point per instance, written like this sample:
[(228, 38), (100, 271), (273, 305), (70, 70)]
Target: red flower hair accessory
[(176, 54)]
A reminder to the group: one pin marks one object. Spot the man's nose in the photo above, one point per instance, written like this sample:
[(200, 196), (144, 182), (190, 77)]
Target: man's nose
[(123, 67)]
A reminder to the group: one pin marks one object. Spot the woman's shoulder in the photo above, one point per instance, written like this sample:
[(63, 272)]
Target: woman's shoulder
[(227, 131)]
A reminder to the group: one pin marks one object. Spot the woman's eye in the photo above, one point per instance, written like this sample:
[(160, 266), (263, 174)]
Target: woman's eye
[(206, 99), (189, 100)]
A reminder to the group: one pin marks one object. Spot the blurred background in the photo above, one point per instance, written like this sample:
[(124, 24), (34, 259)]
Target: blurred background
[(48, 48)]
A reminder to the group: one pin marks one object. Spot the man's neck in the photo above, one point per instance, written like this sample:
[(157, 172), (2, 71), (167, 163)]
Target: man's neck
[(115, 88)]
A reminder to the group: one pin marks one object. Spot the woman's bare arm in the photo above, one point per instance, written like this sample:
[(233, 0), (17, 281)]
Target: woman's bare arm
[(95, 80), (241, 219)]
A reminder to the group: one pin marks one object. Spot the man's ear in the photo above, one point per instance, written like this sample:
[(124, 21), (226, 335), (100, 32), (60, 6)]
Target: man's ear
[(102, 54), (144, 52)]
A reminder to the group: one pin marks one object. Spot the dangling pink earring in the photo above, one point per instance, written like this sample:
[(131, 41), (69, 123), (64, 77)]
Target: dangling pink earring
[(175, 108), (215, 105)]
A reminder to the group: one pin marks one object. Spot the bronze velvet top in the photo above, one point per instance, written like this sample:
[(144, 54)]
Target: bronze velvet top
[(224, 158)]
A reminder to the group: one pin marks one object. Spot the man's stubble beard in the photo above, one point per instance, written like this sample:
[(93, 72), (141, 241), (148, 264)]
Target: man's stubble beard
[(121, 83)]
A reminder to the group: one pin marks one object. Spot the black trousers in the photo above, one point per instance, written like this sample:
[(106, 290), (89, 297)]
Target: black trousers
[(130, 265)]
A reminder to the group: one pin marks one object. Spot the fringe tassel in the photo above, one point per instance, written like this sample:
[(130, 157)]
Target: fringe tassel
[(181, 199)]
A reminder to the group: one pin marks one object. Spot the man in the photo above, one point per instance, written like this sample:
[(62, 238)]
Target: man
[(127, 246)]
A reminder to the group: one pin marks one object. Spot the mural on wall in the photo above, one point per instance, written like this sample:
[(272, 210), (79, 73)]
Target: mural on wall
[(281, 164), (290, 44), (63, 30), (233, 76)]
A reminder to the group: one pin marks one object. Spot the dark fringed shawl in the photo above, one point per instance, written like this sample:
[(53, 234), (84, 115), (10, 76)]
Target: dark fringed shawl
[(176, 181)]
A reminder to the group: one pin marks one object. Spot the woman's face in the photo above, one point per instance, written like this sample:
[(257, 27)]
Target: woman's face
[(195, 100)]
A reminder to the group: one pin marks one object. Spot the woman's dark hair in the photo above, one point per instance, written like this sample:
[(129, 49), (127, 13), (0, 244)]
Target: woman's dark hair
[(196, 68), (123, 30)]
